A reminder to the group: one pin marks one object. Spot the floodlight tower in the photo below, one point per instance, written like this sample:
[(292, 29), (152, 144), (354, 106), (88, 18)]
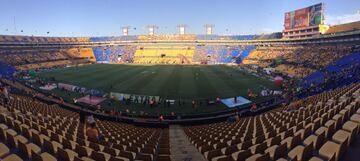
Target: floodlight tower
[(209, 29), (125, 30), (182, 29), (151, 29)]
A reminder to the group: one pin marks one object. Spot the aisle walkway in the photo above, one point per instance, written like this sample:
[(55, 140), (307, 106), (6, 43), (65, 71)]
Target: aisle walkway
[(352, 153), (180, 147)]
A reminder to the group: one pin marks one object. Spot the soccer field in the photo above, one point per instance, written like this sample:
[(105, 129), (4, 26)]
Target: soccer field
[(168, 81)]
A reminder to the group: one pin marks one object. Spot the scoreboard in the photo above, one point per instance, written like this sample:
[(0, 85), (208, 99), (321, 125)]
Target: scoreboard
[(305, 17)]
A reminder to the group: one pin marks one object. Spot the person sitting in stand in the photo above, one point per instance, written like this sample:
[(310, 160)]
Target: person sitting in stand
[(92, 132), (93, 135), (90, 119)]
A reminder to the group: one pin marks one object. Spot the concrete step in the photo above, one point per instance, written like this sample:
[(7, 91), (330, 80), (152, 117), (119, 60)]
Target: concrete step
[(180, 147)]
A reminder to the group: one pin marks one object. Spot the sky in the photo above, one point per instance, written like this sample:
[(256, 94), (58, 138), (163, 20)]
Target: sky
[(88, 18)]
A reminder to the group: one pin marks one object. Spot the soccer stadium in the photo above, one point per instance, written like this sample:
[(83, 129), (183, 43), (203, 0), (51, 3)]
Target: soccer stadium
[(190, 92)]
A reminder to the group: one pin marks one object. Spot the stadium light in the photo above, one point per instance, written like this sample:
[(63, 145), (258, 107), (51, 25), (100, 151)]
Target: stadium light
[(151, 29), (182, 29), (209, 29), (125, 30)]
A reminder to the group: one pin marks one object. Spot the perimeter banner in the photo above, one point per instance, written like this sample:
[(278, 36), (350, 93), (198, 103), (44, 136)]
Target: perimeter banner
[(133, 97)]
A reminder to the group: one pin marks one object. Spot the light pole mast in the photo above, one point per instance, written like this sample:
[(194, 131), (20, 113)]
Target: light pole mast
[(151, 29), (125, 30), (182, 29), (209, 29)]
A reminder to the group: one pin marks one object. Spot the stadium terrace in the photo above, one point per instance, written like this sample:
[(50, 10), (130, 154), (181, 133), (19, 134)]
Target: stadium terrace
[(289, 95)]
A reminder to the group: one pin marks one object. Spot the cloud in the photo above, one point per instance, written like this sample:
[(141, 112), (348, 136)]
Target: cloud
[(340, 19)]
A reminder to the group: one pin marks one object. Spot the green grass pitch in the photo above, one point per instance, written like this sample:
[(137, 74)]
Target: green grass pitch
[(187, 82)]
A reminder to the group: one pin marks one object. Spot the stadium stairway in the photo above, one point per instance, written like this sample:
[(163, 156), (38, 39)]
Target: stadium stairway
[(353, 151), (180, 147)]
